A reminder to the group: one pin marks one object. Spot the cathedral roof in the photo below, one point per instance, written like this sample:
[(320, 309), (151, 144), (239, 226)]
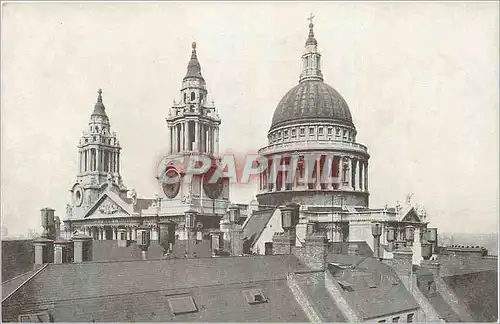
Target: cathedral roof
[(194, 67), (99, 108), (311, 100)]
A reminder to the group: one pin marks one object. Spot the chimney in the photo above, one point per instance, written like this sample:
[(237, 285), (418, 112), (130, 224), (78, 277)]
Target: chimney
[(376, 232), (63, 251), (409, 235), (190, 217), (57, 225), (426, 250), (167, 236), (432, 238), (315, 251), (234, 214), (49, 229), (402, 261), (44, 250), (236, 240), (122, 237), (82, 247), (215, 245), (143, 241), (284, 242), (390, 236), (432, 265)]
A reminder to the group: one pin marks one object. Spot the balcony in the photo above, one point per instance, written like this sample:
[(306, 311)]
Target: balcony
[(314, 145)]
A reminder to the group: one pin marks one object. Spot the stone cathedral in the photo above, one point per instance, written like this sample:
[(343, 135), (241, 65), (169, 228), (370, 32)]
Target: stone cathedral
[(312, 117), (103, 207)]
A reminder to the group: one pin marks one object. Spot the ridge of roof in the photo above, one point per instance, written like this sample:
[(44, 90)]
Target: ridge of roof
[(25, 281)]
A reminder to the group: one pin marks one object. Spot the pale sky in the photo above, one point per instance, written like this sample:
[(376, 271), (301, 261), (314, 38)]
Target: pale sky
[(421, 80)]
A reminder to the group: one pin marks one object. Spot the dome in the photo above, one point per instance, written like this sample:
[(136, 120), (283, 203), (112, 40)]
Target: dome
[(311, 100)]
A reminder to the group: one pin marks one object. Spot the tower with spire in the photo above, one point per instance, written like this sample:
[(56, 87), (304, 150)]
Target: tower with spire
[(98, 161), (193, 122), (311, 59)]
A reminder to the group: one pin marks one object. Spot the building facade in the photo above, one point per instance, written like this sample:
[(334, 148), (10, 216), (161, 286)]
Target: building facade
[(104, 208), (313, 125)]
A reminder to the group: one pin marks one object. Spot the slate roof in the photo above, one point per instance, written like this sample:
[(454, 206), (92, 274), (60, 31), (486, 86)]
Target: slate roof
[(479, 292), (313, 285), (10, 285), (377, 288), (424, 281), (136, 290), (254, 226)]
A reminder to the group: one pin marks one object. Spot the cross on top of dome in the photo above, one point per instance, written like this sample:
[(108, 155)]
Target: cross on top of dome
[(310, 18)]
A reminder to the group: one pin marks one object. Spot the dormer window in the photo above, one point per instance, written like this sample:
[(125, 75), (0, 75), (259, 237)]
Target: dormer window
[(254, 296)]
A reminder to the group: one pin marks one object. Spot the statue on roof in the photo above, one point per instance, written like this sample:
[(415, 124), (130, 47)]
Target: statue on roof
[(133, 195), (109, 179), (398, 207), (408, 198), (69, 210)]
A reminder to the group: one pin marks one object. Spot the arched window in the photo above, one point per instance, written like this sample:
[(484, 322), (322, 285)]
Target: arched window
[(184, 97), (193, 96), (97, 129)]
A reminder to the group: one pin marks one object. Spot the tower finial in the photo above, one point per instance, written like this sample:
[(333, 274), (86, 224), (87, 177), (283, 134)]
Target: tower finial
[(310, 18), (310, 39), (193, 52), (99, 93)]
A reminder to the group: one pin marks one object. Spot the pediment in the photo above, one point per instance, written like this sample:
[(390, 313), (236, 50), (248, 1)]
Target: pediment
[(411, 216), (109, 205)]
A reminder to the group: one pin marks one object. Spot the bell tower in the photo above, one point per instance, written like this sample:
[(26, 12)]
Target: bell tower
[(193, 122), (98, 162)]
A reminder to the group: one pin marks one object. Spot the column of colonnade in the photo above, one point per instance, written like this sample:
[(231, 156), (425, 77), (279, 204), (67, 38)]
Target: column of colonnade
[(351, 171), (206, 137)]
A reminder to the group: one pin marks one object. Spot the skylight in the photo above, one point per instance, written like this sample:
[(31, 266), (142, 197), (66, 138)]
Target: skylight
[(42, 317), (182, 305), (254, 296)]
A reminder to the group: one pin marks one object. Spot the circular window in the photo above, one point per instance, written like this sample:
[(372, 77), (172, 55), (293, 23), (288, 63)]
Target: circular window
[(78, 196), (212, 183), (171, 184)]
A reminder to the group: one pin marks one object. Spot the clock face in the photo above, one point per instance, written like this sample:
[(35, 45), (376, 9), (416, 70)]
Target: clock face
[(212, 183), (172, 184), (78, 196)]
